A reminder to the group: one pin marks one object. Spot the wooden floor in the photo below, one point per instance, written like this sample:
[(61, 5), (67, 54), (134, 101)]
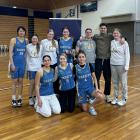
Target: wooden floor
[(111, 123)]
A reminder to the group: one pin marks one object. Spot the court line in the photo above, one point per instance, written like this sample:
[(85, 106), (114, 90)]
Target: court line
[(11, 87), (134, 66), (127, 86)]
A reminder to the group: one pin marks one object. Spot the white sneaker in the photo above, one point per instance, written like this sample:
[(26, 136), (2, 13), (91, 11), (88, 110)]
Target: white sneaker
[(31, 101), (108, 98), (115, 101), (121, 102), (91, 100), (92, 111)]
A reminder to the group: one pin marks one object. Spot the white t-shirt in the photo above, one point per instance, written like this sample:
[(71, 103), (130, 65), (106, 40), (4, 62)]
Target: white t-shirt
[(120, 54), (33, 58), (49, 49)]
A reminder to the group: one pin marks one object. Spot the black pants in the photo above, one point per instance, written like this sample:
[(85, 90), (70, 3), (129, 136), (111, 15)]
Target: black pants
[(56, 83), (103, 65), (67, 100)]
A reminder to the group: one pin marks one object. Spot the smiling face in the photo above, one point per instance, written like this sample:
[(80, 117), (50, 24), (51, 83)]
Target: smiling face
[(47, 61), (88, 33), (103, 29), (34, 40), (63, 60), (116, 34), (21, 33), (66, 33), (50, 35), (81, 58)]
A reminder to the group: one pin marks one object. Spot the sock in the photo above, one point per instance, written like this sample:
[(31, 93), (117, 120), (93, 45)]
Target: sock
[(13, 97), (19, 97)]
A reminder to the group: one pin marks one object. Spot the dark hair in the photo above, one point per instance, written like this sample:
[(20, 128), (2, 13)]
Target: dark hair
[(102, 24), (63, 54), (37, 45), (81, 52), (46, 56), (65, 28), (21, 27), (88, 29)]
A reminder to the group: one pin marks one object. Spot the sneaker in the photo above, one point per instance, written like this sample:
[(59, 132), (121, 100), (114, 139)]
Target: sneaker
[(14, 103), (92, 111), (31, 101), (115, 101), (122, 102), (91, 100), (108, 98), (19, 102)]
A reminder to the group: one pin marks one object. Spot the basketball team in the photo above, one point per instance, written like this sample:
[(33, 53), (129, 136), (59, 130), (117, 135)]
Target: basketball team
[(63, 73)]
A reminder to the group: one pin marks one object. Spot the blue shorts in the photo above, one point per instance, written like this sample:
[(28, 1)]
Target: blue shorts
[(82, 94), (18, 73), (31, 75)]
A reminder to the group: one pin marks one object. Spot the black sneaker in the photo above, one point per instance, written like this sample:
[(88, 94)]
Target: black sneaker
[(14, 103), (19, 102)]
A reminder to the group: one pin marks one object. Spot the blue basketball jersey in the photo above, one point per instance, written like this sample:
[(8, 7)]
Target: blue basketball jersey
[(84, 77), (46, 83), (19, 53), (66, 45), (66, 78)]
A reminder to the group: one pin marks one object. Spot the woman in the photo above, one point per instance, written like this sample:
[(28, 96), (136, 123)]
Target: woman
[(50, 47), (66, 45), (47, 102), (33, 60), (17, 50), (67, 85), (120, 58), (86, 79)]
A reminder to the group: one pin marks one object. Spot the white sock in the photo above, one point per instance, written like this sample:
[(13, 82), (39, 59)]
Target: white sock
[(13, 97), (19, 97)]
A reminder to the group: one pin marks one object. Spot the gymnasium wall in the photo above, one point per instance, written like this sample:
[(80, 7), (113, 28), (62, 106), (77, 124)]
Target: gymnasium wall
[(11, 18), (105, 8), (8, 27)]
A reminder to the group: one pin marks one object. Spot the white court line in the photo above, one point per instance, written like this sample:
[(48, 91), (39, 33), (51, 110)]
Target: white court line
[(11, 87), (134, 66), (127, 86)]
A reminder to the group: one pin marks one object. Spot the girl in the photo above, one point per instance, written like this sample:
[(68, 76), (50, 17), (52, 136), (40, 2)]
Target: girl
[(17, 64), (50, 47), (86, 79), (120, 58), (47, 102), (66, 45), (34, 60), (67, 85)]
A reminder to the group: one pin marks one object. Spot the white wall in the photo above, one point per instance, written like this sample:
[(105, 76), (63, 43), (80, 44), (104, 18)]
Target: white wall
[(105, 8), (138, 9)]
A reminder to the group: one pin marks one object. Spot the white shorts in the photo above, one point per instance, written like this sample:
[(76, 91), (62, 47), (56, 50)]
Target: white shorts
[(50, 104)]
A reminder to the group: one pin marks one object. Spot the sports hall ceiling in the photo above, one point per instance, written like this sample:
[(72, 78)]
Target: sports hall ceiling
[(41, 4)]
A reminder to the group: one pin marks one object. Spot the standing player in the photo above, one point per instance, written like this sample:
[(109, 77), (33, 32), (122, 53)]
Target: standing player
[(66, 45), (86, 79), (47, 102), (17, 50), (33, 60)]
